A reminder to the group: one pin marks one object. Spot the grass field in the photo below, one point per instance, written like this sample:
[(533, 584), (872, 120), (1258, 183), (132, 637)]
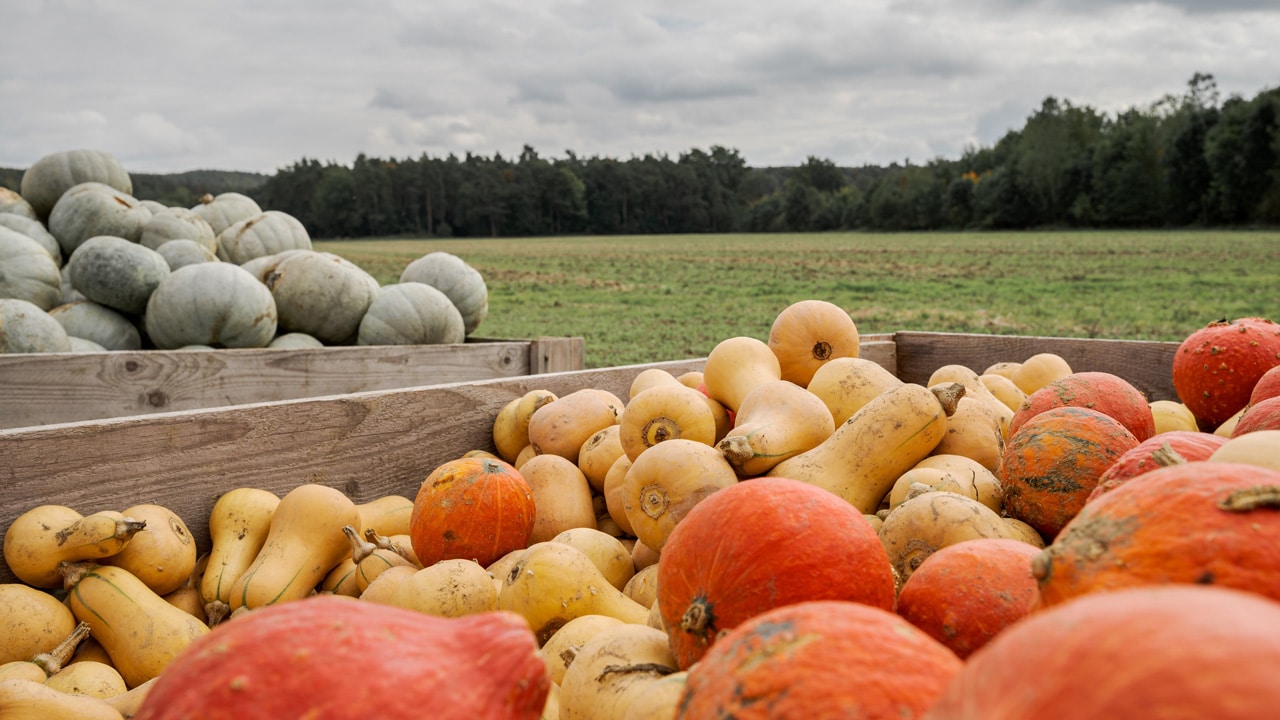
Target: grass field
[(650, 298)]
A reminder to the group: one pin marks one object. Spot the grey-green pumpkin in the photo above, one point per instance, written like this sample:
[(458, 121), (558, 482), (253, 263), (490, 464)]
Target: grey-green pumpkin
[(462, 283), (11, 203), (52, 175), (27, 272), (179, 253), (177, 224), (88, 320), (411, 313), (225, 209), (321, 294), (117, 273), (92, 209), (216, 304), (266, 233), (35, 230), (295, 341), (25, 328)]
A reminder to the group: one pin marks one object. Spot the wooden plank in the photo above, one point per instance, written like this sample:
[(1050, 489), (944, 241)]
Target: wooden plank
[(366, 444), (1148, 365), (555, 354), (68, 387)]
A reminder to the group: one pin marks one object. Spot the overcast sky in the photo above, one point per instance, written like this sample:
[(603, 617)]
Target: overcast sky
[(171, 85)]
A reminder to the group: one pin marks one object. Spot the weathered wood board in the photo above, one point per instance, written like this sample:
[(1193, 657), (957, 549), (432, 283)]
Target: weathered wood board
[(69, 387)]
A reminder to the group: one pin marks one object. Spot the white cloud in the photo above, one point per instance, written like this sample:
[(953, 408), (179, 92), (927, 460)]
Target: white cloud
[(256, 86)]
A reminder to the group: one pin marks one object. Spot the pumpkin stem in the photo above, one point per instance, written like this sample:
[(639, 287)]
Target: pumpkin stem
[(1165, 455), (822, 350), (655, 668), (698, 618), (736, 449), (382, 542), (1260, 497), (215, 611), (360, 548), (949, 395), (659, 429), (57, 658), (654, 500)]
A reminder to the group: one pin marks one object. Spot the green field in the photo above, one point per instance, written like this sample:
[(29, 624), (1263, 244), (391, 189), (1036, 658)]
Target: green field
[(643, 299)]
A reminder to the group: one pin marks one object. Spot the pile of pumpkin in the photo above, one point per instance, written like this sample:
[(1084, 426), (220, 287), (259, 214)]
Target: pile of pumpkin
[(792, 532), (86, 267)]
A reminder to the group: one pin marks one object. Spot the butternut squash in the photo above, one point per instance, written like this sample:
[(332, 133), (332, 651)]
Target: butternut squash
[(606, 552), (561, 496), (665, 412), (778, 419), (163, 555), (22, 699), (561, 426), (94, 679), (304, 542), (1039, 370), (643, 586), (139, 630), (735, 366), (129, 703), (238, 527), (973, 479), (1172, 415), (560, 650), (552, 583), (386, 515), (370, 559), (598, 454), (511, 426), (384, 587), (613, 669), (341, 580), (1004, 390), (866, 455), (846, 384), (613, 497), (974, 388), (649, 377), (660, 700), (809, 333), (974, 431), (40, 539), (43, 665), (33, 622), (449, 588), (932, 520), (666, 481)]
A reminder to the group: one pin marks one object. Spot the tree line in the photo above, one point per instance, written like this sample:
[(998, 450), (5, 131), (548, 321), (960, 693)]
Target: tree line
[(1186, 160), (1192, 159)]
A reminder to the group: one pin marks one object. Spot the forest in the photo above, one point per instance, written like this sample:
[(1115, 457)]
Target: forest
[(1187, 160)]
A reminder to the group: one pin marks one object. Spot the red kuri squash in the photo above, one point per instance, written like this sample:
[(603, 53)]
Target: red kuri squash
[(471, 508), (337, 657)]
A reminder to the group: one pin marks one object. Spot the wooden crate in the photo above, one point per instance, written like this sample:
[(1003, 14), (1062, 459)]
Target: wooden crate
[(70, 387), (382, 442)]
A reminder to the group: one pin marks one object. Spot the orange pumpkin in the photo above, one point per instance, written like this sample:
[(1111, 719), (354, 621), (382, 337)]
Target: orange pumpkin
[(1188, 444), (1178, 652), (738, 553), (300, 659), (1101, 391), (1202, 522), (807, 334), (1216, 367), (1268, 386), (964, 594), (471, 508), (823, 659), (1263, 416), (1053, 462)]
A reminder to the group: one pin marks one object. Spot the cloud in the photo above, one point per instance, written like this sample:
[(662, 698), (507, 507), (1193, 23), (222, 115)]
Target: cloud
[(257, 86)]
